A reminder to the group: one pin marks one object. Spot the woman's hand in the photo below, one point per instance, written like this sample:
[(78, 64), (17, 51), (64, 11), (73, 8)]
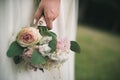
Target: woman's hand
[(49, 9)]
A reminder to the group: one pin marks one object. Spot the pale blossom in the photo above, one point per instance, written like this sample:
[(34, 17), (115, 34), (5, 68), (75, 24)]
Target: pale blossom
[(28, 52), (63, 44), (45, 40), (44, 50), (27, 55), (62, 50), (28, 36), (59, 56)]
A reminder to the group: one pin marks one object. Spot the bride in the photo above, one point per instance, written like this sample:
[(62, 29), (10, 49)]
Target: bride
[(60, 17)]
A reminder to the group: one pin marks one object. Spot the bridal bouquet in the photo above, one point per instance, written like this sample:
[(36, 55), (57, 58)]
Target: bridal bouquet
[(40, 48)]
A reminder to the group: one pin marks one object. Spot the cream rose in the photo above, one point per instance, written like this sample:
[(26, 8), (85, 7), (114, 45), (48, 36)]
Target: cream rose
[(28, 36)]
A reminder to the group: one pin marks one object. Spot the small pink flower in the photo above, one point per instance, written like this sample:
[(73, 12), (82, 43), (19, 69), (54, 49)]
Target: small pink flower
[(28, 52), (63, 44)]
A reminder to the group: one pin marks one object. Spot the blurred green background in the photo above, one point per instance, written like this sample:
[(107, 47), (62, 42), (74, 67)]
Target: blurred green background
[(98, 34), (100, 55)]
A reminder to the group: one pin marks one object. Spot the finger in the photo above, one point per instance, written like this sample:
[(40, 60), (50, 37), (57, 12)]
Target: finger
[(48, 18), (38, 14), (49, 23)]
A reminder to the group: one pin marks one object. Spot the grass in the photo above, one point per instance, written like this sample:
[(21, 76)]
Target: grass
[(100, 55)]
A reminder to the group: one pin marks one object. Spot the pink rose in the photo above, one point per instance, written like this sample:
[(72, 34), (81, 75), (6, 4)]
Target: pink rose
[(28, 36)]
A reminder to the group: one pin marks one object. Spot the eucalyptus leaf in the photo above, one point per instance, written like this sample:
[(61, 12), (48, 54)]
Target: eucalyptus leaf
[(17, 59), (45, 32), (15, 49), (52, 33), (75, 47), (37, 58), (52, 44)]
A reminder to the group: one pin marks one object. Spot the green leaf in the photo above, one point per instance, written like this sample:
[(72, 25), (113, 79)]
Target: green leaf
[(53, 34), (14, 49), (75, 46), (17, 59), (52, 44), (45, 32), (37, 58)]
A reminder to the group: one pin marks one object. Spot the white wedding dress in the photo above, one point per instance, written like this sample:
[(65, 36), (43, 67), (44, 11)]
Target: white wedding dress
[(15, 14)]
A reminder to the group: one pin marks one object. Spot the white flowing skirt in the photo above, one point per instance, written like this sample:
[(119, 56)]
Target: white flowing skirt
[(15, 14)]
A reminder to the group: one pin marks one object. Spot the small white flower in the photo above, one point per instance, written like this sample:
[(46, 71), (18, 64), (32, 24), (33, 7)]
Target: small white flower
[(45, 40), (44, 50), (60, 56)]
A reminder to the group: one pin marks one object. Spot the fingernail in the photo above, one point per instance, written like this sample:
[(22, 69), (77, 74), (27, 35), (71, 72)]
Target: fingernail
[(34, 21)]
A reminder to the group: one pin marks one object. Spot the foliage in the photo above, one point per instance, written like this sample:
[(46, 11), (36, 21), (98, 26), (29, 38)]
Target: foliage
[(37, 58), (99, 58), (45, 32), (14, 50)]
